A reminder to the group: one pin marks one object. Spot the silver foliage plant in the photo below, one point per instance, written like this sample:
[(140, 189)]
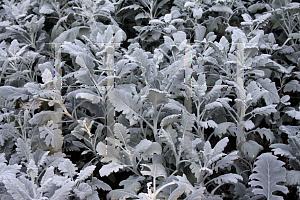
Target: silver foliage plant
[(54, 142)]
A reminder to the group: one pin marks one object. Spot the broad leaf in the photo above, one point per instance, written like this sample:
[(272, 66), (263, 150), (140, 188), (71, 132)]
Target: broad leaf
[(269, 172)]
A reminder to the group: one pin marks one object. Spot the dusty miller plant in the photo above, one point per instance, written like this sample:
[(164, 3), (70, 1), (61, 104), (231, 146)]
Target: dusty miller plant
[(54, 141)]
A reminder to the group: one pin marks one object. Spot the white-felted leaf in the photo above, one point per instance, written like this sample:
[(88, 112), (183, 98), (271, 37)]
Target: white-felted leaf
[(93, 98), (221, 8), (251, 148), (68, 168), (85, 61), (46, 9), (197, 13), (249, 125), (266, 110), (121, 133), (52, 134), (110, 168), (293, 113), (143, 145), (63, 192), (272, 95), (47, 76), (157, 97), (179, 36), (169, 119), (8, 171), (85, 173), (220, 146), (156, 21), (14, 47), (108, 152), (222, 128), (213, 105), (285, 100), (228, 178), (54, 159), (96, 183), (169, 137), (125, 102), (168, 17), (14, 188), (46, 181), (266, 132), (70, 35), (199, 32), (24, 149), (292, 177), (283, 150), (44, 117), (132, 183), (13, 93), (269, 172), (209, 123), (32, 169), (83, 190), (156, 170), (226, 161), (189, 4), (290, 130), (154, 148), (121, 193)]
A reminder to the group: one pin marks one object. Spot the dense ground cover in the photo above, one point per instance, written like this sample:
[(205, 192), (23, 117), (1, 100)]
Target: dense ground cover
[(148, 99)]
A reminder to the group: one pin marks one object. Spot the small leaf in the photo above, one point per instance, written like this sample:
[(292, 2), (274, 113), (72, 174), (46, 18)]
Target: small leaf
[(93, 98), (249, 125), (156, 170), (47, 76), (32, 169), (132, 183), (68, 168), (157, 97), (46, 9), (63, 192), (292, 86), (168, 18), (83, 190), (292, 177), (272, 95), (70, 35), (266, 132), (96, 183), (228, 178), (197, 13), (85, 173), (52, 134), (45, 116), (121, 193), (13, 93), (220, 8), (121, 133), (293, 113), (251, 148), (8, 172), (169, 119), (179, 36)]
